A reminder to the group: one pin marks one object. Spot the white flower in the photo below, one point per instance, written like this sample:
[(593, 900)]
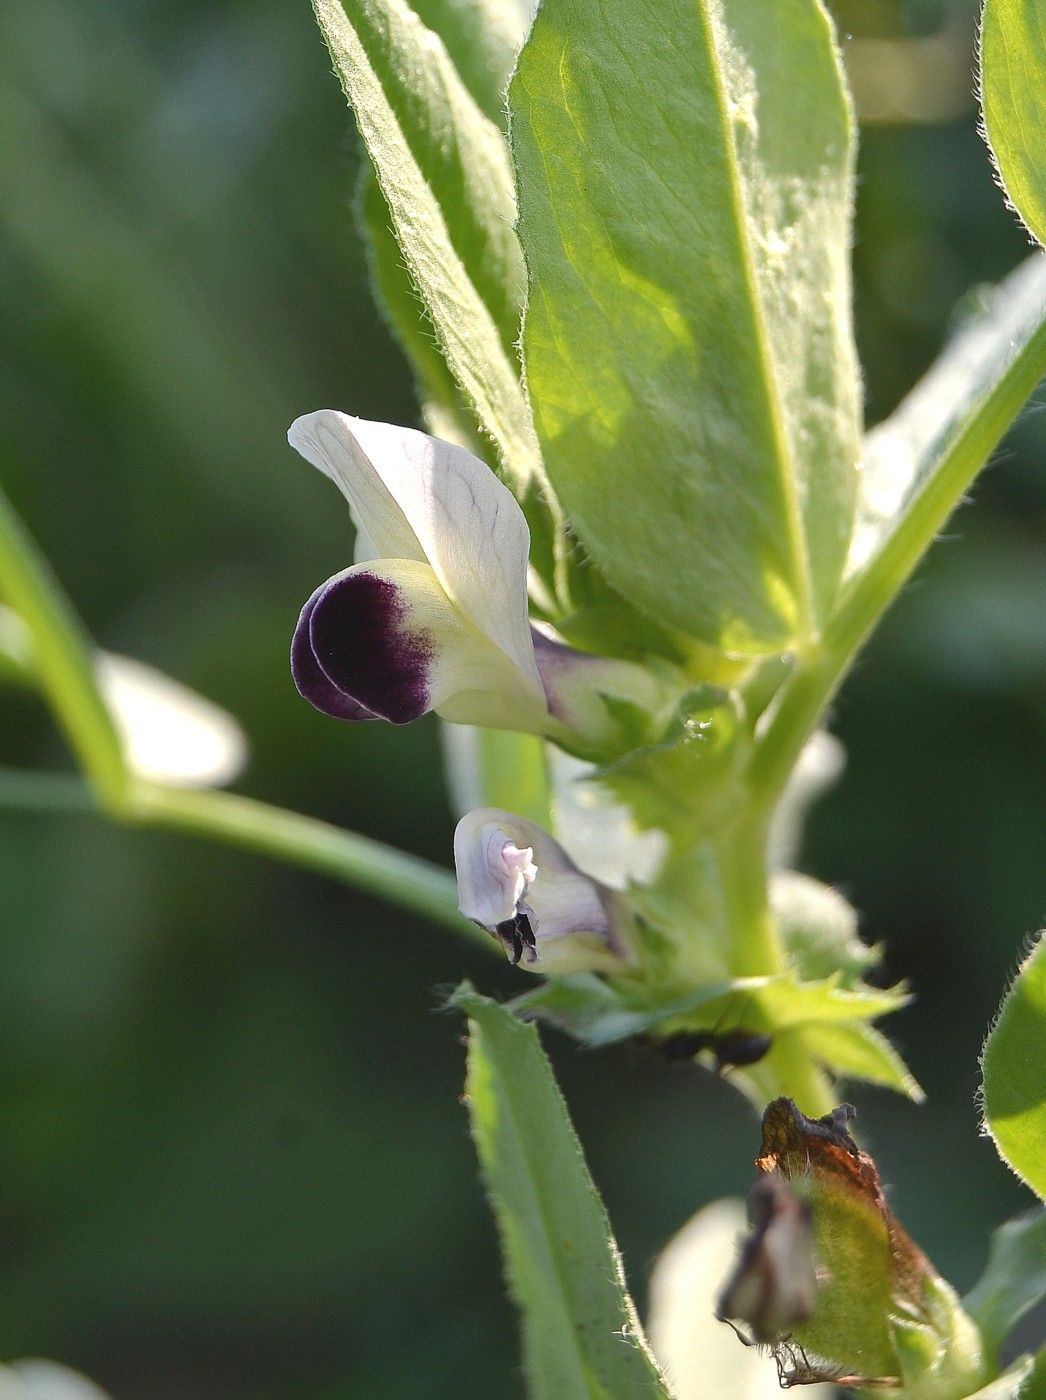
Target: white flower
[(520, 885), (433, 615), (437, 620), (169, 733), (45, 1380)]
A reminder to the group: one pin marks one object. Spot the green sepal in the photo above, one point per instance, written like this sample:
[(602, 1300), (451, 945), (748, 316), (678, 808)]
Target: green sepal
[(602, 1012), (688, 784), (856, 1050)]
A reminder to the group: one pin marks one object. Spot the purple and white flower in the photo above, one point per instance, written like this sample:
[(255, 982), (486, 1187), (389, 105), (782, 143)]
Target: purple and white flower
[(520, 885), (433, 615)]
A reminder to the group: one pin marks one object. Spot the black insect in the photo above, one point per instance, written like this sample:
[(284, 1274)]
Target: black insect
[(733, 1048)]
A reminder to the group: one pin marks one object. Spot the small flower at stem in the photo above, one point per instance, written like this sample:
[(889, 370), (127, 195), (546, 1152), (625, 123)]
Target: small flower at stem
[(520, 885)]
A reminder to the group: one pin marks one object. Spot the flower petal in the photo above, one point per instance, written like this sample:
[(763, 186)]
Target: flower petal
[(422, 499), (386, 637), (508, 866), (313, 683), (169, 733)]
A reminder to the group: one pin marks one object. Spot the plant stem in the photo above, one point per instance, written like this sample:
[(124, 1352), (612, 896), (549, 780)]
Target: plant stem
[(62, 658), (405, 880), (817, 675), (755, 945)]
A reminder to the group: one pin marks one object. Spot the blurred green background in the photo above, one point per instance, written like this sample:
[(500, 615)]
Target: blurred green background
[(232, 1160)]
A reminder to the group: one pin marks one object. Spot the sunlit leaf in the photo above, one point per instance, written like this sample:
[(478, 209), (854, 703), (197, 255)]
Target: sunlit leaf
[(687, 341), (443, 170), (1013, 94), (856, 1050), (581, 1336), (483, 38), (1014, 1066)]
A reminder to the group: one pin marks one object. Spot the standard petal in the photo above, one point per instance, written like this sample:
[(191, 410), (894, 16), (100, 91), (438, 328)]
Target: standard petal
[(419, 498), (386, 636), (327, 441)]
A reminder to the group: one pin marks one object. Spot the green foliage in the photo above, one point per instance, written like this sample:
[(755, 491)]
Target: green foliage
[(443, 169), (442, 407), (601, 1013), (483, 38), (1014, 1278), (856, 1050), (581, 1335), (687, 347), (1014, 1068), (1013, 94)]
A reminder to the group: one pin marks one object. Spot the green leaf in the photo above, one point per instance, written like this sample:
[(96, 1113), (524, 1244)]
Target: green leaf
[(483, 38), (581, 1336), (856, 1050), (62, 658), (687, 340), (1014, 1067), (601, 1013), (1014, 1278), (443, 170), (1013, 95), (442, 408)]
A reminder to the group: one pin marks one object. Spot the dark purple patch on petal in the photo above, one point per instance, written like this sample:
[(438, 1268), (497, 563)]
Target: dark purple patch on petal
[(313, 685), (362, 645)]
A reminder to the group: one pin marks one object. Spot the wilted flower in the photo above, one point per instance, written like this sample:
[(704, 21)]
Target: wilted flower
[(433, 615), (520, 885), (701, 1357), (773, 1287)]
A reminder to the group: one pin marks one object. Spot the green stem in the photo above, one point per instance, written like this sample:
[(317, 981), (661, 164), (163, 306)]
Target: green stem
[(62, 658), (755, 945), (968, 439), (404, 880)]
